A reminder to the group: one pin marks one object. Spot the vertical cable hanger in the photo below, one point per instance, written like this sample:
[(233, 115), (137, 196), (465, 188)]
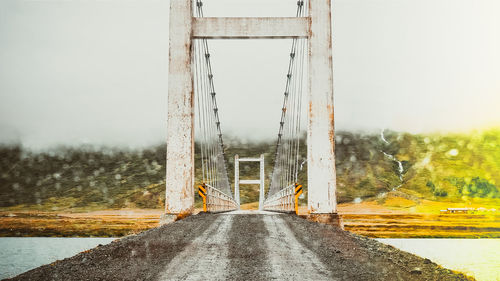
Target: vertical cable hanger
[(286, 167), (212, 146)]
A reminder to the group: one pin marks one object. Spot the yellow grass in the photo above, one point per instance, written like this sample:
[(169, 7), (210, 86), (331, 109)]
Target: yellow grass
[(108, 223), (250, 206), (399, 217), (393, 217)]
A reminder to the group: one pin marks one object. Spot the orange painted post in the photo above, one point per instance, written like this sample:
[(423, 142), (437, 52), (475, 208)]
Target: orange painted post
[(203, 193), (298, 192)]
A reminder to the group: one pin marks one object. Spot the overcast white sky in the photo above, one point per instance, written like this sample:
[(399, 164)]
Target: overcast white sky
[(96, 71)]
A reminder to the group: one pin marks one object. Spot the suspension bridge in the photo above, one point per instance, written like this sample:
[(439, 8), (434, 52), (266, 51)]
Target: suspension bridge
[(225, 243), (193, 109)]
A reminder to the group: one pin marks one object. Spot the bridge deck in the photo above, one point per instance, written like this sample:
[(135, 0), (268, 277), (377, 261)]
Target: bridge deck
[(243, 246)]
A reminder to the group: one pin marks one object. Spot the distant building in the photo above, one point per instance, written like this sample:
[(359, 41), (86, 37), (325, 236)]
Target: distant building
[(457, 210)]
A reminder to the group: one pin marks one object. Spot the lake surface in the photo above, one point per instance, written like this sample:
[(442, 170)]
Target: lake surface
[(20, 254), (479, 258), (476, 257)]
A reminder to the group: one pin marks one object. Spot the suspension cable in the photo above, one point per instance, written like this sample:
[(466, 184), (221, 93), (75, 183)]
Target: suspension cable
[(286, 163), (214, 169)]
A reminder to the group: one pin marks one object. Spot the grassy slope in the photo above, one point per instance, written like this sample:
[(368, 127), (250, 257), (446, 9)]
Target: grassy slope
[(460, 168)]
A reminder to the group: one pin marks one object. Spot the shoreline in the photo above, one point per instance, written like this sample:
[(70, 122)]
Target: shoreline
[(124, 222), (147, 255)]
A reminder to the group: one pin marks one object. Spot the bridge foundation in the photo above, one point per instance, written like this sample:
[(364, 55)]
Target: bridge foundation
[(333, 219)]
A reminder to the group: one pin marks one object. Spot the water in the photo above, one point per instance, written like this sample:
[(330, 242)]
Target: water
[(476, 257), (20, 254), (479, 258), (393, 158)]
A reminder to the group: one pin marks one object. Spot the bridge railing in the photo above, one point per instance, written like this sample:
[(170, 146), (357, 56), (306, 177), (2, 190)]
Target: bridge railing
[(215, 200), (285, 200)]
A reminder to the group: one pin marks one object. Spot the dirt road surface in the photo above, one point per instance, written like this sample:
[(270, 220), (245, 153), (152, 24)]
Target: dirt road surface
[(243, 246)]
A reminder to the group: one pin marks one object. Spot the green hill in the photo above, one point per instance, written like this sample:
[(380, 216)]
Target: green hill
[(445, 167)]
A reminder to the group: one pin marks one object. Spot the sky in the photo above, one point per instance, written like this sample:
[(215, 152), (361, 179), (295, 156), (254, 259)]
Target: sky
[(96, 71)]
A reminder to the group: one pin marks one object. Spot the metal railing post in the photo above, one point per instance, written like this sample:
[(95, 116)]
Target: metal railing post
[(237, 179)]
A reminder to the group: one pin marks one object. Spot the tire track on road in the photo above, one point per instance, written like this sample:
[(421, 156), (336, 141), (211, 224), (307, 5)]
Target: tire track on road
[(206, 257), (289, 259)]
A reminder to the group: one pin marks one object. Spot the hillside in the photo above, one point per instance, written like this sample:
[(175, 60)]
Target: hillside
[(455, 167), (439, 167)]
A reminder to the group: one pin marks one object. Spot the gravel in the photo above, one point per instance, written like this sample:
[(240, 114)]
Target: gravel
[(243, 246)]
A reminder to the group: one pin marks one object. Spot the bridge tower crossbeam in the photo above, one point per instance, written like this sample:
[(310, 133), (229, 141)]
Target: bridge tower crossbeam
[(184, 27)]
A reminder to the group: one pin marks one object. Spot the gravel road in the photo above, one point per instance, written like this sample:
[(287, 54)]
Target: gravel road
[(243, 246)]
